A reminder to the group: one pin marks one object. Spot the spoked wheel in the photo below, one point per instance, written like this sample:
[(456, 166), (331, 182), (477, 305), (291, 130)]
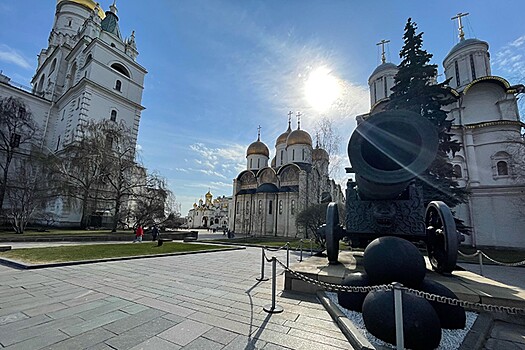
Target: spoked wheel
[(442, 237), (333, 233)]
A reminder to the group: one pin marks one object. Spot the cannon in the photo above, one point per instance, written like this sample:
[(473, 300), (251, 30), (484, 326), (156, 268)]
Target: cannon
[(388, 151)]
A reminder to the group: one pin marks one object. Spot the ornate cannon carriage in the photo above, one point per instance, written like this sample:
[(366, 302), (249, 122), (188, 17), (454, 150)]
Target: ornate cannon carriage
[(387, 152)]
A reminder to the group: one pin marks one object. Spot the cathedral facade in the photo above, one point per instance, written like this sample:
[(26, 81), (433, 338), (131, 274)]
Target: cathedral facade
[(490, 164), (88, 71), (210, 213), (268, 197)]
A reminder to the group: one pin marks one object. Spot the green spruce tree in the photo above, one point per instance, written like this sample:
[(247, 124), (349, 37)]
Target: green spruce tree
[(416, 90)]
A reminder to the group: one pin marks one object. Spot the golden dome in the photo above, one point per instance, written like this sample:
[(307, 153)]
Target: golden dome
[(208, 195), (90, 4), (299, 137), (282, 138), (320, 154), (258, 147)]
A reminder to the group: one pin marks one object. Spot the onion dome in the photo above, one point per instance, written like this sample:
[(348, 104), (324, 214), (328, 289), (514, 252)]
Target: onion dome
[(320, 154), (258, 147), (464, 44), (90, 4), (194, 205), (383, 67), (208, 195), (299, 137), (282, 138)]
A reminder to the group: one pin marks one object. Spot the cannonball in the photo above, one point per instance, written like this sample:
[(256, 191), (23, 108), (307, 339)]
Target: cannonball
[(450, 316), (353, 300), (393, 259), (421, 327)]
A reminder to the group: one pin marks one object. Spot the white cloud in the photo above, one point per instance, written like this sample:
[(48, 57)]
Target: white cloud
[(10, 55), (509, 60), (219, 162)]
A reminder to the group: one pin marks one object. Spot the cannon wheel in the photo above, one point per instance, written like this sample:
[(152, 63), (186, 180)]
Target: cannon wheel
[(332, 233), (442, 237)]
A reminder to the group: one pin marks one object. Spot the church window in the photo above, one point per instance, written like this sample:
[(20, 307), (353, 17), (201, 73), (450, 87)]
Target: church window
[(385, 87), (40, 86), (292, 207), (53, 66), (260, 207), (293, 155), (113, 117), (72, 74), (58, 143), (375, 92), (472, 67), (78, 103), (502, 168), (457, 72), (118, 85), (303, 154), (251, 161), (238, 207), (282, 156), (270, 204), (258, 163), (69, 21), (120, 68), (457, 171), (247, 207), (280, 207)]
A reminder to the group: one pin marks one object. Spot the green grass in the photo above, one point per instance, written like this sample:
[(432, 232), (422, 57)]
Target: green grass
[(99, 251), (64, 232), (503, 255), (267, 241)]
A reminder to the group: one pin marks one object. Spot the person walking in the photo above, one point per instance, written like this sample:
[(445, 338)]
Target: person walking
[(155, 233), (139, 232)]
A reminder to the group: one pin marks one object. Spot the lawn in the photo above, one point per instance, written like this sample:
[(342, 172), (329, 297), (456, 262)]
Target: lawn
[(268, 242), (63, 232), (99, 251), (504, 255)]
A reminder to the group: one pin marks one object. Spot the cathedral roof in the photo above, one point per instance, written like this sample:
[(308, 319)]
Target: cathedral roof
[(463, 44), (90, 4), (319, 154), (258, 147), (299, 137), (383, 67), (282, 138), (110, 23), (267, 188)]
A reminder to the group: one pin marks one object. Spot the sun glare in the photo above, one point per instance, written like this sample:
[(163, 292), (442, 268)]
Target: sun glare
[(322, 89)]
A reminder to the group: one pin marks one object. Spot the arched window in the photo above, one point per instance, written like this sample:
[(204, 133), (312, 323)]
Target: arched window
[(53, 66), (247, 207), (238, 207), (502, 168), (120, 68), (40, 85), (270, 204), (457, 171), (303, 153), (118, 85), (251, 161), (113, 117), (72, 74), (258, 163), (280, 207), (260, 207), (282, 156), (292, 207), (293, 155)]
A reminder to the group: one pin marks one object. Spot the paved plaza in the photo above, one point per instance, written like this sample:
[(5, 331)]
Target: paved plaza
[(196, 301)]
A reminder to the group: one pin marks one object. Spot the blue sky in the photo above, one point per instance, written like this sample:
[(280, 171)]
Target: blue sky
[(220, 68)]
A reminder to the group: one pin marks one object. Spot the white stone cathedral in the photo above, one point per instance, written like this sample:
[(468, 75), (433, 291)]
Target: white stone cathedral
[(267, 198), (490, 164), (87, 72)]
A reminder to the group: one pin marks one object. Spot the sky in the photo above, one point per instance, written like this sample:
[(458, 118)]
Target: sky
[(217, 69)]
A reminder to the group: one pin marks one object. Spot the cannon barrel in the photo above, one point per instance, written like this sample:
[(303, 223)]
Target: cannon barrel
[(388, 150)]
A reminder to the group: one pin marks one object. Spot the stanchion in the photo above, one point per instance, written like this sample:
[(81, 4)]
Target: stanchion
[(311, 247), (398, 310), (273, 308), (301, 249), (480, 254), (262, 278), (287, 254)]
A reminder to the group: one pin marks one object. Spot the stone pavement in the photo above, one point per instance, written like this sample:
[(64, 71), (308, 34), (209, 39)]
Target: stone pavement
[(197, 301)]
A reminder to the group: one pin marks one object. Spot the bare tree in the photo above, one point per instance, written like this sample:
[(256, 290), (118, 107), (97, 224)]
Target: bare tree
[(17, 128), (329, 140), (27, 193)]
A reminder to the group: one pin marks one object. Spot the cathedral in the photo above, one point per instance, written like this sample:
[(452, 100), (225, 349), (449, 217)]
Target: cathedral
[(87, 72), (268, 197), (211, 213), (487, 123)]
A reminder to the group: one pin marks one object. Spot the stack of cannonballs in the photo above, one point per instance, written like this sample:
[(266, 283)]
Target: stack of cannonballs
[(393, 259)]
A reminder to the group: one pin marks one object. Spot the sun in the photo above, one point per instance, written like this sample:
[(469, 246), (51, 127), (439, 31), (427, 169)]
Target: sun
[(322, 89)]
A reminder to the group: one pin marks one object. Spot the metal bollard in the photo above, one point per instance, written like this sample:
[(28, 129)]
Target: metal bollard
[(273, 308), (287, 254), (480, 262), (301, 249), (398, 310), (262, 278), (311, 247)]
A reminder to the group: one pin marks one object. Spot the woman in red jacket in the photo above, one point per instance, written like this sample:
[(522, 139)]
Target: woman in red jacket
[(139, 232)]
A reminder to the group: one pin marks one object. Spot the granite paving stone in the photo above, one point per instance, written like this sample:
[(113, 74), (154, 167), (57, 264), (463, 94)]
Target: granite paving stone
[(156, 343), (83, 341), (139, 334), (98, 321), (43, 309), (43, 340), (185, 332), (203, 344), (17, 316), (138, 319), (220, 335), (242, 342)]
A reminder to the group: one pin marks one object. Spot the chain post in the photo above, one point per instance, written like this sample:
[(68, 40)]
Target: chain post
[(273, 308), (480, 262), (287, 254), (311, 247), (301, 250), (262, 278), (398, 311)]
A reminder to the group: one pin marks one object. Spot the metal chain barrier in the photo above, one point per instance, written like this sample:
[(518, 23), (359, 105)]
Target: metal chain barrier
[(431, 297), (479, 252)]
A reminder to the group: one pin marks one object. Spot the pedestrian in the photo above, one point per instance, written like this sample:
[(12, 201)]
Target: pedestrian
[(155, 232), (139, 232)]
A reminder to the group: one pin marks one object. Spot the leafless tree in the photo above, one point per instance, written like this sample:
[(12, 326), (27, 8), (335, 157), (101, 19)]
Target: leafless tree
[(329, 140), (17, 129)]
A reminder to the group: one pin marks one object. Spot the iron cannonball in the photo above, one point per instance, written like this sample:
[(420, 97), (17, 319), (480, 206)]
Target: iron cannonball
[(353, 300), (450, 316), (393, 259), (421, 327)]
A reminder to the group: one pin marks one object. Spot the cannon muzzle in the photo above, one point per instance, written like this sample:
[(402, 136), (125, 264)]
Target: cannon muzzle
[(390, 149)]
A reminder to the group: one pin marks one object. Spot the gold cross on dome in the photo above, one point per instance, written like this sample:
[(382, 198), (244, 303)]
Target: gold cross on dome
[(460, 25), (382, 43)]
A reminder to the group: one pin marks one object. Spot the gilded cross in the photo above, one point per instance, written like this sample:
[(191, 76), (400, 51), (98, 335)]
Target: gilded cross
[(460, 25), (382, 43)]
